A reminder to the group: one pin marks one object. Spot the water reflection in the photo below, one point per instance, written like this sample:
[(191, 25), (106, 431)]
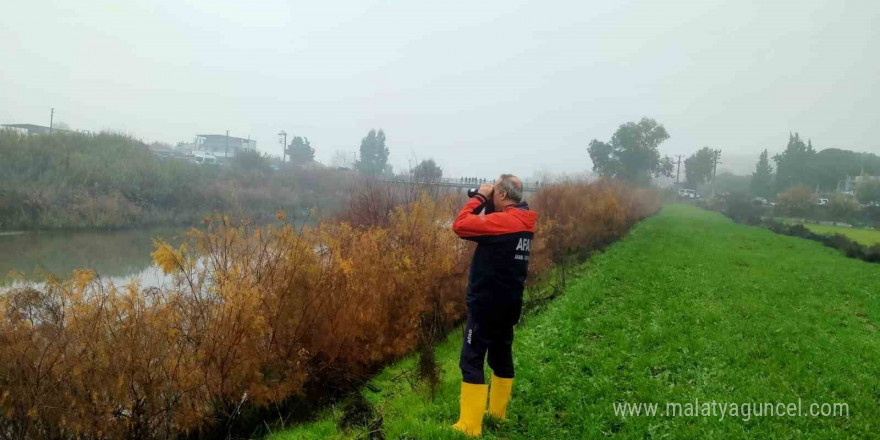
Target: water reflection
[(117, 256)]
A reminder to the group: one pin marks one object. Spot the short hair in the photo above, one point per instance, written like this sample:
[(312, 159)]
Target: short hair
[(512, 186)]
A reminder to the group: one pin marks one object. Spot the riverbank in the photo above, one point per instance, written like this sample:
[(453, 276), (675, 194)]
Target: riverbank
[(109, 181), (688, 307), (867, 237)]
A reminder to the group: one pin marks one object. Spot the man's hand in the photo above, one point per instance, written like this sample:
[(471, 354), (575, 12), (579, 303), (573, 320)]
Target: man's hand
[(486, 190)]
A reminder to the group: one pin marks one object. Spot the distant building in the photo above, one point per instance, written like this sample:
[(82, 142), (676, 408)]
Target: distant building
[(28, 128), (38, 129), (849, 185), (221, 145)]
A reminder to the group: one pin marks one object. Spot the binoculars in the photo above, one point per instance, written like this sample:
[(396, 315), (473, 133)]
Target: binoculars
[(489, 207)]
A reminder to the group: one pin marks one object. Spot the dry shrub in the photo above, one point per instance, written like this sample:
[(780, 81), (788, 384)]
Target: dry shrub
[(371, 201), (842, 207), (576, 218), (255, 313), (797, 201)]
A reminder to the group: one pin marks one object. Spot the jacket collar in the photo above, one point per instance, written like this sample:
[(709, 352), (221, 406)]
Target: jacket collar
[(521, 205)]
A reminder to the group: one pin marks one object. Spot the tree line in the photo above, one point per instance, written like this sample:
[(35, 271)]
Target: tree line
[(372, 159), (632, 154)]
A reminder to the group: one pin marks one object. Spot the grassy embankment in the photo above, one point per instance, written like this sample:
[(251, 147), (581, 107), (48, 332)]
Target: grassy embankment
[(688, 306), (862, 236), (866, 237)]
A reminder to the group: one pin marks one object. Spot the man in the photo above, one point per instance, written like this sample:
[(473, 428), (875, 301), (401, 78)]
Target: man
[(494, 297)]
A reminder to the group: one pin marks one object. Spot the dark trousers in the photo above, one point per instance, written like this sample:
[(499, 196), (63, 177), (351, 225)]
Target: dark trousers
[(487, 333)]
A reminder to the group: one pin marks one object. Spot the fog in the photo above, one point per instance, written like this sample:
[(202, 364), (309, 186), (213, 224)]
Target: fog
[(481, 87)]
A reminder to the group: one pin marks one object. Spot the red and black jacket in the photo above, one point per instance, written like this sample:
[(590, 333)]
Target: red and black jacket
[(501, 261)]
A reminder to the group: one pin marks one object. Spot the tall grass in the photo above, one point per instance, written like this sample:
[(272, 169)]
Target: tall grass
[(257, 314)]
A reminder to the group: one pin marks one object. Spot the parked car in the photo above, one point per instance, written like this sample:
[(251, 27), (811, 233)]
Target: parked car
[(201, 157), (822, 202), (761, 201), (688, 193)]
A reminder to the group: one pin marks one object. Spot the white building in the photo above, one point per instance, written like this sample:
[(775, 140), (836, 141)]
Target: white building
[(223, 146)]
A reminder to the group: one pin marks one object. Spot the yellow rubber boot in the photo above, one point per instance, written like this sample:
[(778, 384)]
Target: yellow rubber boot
[(499, 395), (473, 408)]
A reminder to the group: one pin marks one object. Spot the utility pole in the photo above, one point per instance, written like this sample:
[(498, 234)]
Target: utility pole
[(678, 169), (715, 169), (283, 146), (227, 144), (51, 120)]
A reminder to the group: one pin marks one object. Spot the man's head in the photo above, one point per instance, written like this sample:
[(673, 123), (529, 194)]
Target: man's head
[(507, 191)]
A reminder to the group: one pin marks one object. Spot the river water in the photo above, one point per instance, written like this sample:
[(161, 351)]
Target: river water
[(118, 256)]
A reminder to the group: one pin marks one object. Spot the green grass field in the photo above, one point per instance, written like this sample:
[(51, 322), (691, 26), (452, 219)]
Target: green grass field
[(688, 306), (863, 236)]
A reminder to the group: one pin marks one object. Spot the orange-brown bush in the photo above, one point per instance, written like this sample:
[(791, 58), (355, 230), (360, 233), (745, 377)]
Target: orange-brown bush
[(577, 217), (252, 314)]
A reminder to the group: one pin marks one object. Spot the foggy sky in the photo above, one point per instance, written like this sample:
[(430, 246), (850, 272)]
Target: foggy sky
[(481, 87)]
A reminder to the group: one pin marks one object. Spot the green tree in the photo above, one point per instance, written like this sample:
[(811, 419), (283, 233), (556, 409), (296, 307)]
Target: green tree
[(427, 171), (373, 159), (632, 153), (698, 167), (868, 192), (762, 178), (833, 165), (300, 151), (796, 165)]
